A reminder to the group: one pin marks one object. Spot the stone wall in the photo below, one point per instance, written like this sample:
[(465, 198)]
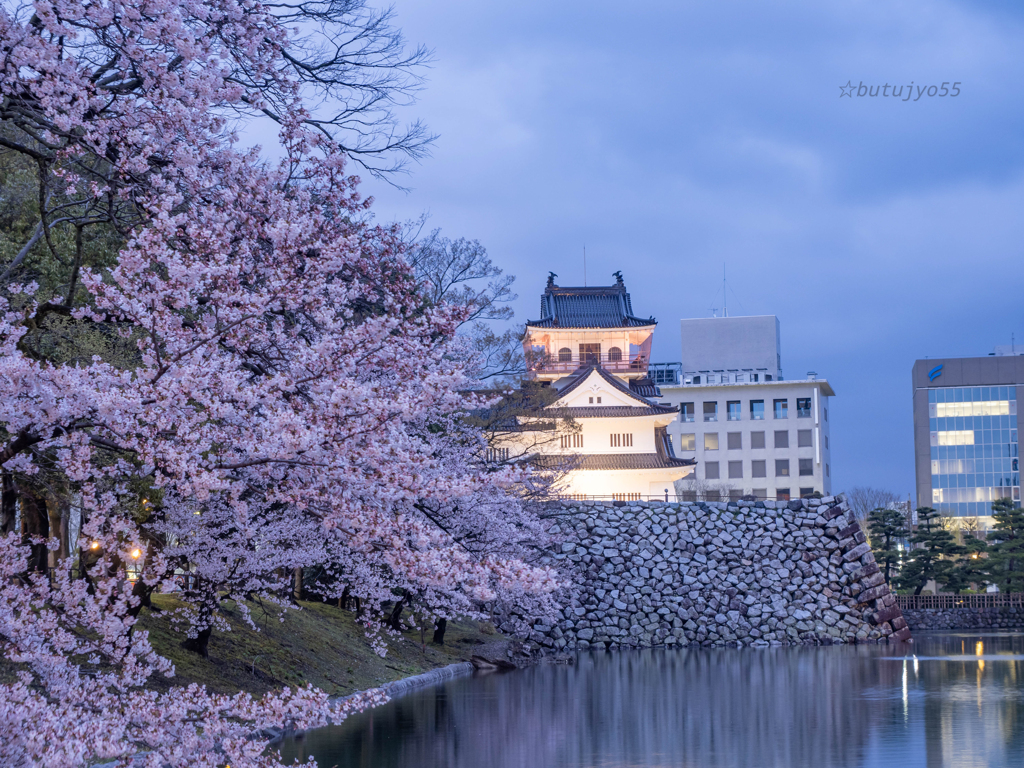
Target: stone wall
[(1004, 617), (765, 573)]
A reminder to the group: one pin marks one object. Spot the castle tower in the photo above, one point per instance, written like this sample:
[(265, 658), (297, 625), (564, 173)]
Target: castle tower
[(594, 352)]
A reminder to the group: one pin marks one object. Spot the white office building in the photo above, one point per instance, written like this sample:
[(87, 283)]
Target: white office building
[(752, 432)]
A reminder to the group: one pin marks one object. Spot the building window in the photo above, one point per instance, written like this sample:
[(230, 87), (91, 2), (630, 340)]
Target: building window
[(710, 470), (782, 467), (710, 441), (782, 494), (732, 409), (622, 440), (735, 494), (590, 353), (572, 441), (696, 379), (781, 409), (496, 454), (826, 442), (803, 438), (760, 493), (803, 407), (614, 355), (686, 412), (713, 495), (565, 355), (687, 442), (757, 410), (825, 411), (758, 468), (710, 411), (806, 467), (826, 471), (806, 493), (781, 438), (689, 495), (735, 469), (735, 440), (757, 439), (591, 400)]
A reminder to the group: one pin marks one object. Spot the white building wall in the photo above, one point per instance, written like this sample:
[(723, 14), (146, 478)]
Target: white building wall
[(816, 423), (723, 344)]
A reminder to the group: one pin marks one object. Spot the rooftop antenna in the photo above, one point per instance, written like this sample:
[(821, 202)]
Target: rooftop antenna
[(725, 298)]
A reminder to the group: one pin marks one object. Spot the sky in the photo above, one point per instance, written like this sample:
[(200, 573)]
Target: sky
[(675, 140)]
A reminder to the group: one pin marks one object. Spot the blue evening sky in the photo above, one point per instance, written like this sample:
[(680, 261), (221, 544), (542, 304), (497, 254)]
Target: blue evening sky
[(672, 138)]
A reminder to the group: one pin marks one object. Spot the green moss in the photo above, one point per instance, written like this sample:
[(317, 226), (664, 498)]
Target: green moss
[(319, 644)]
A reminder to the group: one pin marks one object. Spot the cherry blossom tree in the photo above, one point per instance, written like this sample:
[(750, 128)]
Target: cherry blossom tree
[(267, 369)]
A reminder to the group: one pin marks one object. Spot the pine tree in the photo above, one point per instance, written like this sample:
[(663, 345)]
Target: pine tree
[(887, 527), (1006, 556), (934, 558)]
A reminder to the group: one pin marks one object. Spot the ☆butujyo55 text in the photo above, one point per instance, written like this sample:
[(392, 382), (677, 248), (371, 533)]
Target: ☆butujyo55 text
[(911, 92)]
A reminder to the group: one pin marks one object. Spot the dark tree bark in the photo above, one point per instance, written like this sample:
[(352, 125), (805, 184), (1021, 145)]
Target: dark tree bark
[(395, 619), (200, 643), (35, 525), (439, 629), (8, 504)]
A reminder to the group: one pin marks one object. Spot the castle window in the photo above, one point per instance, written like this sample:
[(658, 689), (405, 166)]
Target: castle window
[(572, 441), (565, 355), (622, 440), (614, 355)]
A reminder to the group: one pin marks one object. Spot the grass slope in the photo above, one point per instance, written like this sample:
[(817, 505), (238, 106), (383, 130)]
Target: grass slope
[(319, 644)]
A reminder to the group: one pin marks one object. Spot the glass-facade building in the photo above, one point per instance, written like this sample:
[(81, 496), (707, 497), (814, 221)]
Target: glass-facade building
[(966, 435), (974, 450)]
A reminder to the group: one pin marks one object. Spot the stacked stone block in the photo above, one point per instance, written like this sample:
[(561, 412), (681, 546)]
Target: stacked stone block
[(1002, 617), (716, 574)]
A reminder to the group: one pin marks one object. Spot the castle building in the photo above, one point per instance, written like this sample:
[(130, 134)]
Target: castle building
[(593, 352)]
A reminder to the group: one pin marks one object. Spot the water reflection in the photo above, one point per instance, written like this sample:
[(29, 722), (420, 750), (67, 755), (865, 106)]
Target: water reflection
[(940, 705)]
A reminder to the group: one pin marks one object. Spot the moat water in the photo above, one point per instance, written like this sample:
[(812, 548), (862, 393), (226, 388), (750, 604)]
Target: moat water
[(949, 700)]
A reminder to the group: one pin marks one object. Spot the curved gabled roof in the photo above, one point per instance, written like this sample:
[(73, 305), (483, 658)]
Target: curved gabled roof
[(583, 373), (606, 306)]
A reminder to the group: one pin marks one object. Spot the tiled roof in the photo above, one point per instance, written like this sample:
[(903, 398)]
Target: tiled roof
[(605, 461), (645, 387), (607, 411), (662, 458), (589, 307)]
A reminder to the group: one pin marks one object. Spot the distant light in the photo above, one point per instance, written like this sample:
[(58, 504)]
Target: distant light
[(94, 545), (136, 553)]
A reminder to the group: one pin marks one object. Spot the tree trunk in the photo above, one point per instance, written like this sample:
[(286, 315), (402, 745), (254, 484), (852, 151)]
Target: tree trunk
[(395, 619), (297, 577), (439, 629), (200, 643), (8, 504), (35, 524)]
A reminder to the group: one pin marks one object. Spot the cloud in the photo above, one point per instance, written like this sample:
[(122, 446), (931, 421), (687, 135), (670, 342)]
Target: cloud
[(672, 138)]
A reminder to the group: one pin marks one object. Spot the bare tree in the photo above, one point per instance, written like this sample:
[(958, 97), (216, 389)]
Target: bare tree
[(693, 488), (864, 499), (460, 272), (359, 67)]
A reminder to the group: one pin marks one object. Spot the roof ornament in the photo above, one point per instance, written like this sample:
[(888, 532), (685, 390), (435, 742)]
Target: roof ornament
[(551, 279), (618, 278)]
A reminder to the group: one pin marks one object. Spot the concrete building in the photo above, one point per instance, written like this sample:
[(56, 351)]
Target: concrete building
[(751, 431), (592, 350), (965, 432)]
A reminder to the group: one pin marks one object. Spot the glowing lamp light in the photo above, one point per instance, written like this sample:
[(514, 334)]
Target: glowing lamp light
[(136, 553), (94, 545)]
